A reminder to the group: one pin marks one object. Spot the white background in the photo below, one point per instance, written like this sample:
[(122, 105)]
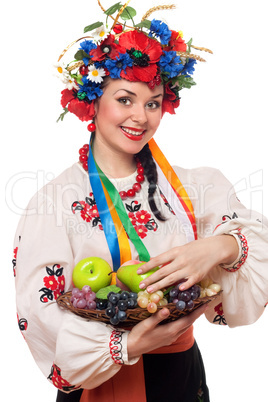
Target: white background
[(221, 123)]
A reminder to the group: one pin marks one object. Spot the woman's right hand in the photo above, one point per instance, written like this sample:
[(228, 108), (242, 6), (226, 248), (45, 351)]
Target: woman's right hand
[(148, 335)]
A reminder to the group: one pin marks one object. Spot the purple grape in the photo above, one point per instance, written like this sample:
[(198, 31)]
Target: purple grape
[(194, 295), (114, 320), (75, 291), (122, 315), (185, 296), (86, 289), (91, 296), (91, 305), (81, 303), (197, 289), (173, 293), (180, 305), (190, 305)]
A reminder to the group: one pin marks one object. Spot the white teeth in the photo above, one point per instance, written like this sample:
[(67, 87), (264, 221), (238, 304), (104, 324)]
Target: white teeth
[(127, 130)]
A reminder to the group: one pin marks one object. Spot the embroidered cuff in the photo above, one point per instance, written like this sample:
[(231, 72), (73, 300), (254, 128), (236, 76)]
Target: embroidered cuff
[(243, 252), (115, 346)]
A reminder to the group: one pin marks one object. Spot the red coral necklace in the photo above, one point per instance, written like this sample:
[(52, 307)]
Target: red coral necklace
[(83, 157)]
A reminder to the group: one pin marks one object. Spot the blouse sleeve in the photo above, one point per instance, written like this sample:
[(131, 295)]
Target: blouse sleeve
[(245, 282), (71, 352)]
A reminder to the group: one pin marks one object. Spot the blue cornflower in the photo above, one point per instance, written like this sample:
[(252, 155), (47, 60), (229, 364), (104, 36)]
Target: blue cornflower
[(92, 89), (161, 30), (189, 67), (87, 46), (122, 61), (170, 63)]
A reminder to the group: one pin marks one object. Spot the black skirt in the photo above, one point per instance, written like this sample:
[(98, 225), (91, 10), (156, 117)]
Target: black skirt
[(173, 377)]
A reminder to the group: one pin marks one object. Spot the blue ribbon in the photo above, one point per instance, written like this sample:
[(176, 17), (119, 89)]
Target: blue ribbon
[(105, 216)]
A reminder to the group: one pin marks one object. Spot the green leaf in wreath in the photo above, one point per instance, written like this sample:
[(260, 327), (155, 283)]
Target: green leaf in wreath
[(128, 13), (144, 24), (93, 26), (185, 82), (61, 116), (111, 10), (103, 293), (80, 55)]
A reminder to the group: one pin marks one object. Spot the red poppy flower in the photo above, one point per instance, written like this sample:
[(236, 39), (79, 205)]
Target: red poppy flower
[(83, 110), (145, 53), (170, 101), (106, 48), (176, 43)]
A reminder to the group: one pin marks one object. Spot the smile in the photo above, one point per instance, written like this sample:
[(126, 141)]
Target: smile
[(133, 134), (132, 131)]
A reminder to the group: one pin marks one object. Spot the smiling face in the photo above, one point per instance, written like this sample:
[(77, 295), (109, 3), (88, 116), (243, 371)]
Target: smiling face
[(127, 116)]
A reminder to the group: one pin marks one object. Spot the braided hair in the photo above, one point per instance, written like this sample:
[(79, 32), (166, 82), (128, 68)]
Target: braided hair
[(148, 164)]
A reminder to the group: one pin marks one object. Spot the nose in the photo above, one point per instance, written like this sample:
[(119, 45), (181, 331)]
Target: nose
[(139, 114)]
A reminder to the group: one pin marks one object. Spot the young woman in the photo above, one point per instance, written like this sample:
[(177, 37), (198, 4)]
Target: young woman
[(189, 234)]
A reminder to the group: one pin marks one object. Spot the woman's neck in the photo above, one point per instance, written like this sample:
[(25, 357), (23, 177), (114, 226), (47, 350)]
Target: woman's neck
[(113, 164)]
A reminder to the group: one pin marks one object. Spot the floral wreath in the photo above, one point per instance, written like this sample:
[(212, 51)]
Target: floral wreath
[(146, 52)]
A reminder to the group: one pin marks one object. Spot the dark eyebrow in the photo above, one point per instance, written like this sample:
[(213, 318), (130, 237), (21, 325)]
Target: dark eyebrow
[(132, 93)]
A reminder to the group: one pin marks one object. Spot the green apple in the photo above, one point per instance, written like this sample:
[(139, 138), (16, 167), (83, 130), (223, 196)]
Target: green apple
[(127, 274), (94, 272)]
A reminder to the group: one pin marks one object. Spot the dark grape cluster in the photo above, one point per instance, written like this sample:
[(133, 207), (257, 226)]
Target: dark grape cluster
[(184, 300), (117, 304)]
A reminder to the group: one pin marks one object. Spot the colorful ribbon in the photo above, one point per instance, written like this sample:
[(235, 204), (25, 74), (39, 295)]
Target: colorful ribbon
[(116, 224), (115, 221)]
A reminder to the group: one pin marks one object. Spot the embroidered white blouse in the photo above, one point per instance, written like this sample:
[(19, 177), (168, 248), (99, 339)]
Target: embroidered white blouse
[(61, 226)]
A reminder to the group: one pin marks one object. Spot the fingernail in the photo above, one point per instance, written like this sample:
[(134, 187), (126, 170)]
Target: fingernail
[(150, 289), (139, 271), (141, 285), (182, 287)]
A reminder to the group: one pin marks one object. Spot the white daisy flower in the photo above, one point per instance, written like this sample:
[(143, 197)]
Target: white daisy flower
[(96, 74), (71, 84), (99, 34), (61, 72)]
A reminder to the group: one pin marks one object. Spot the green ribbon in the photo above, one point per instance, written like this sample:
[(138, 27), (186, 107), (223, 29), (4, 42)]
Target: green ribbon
[(120, 209)]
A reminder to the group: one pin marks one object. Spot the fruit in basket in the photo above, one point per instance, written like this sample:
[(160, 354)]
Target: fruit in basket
[(118, 304), (92, 271), (84, 298), (127, 274), (151, 301)]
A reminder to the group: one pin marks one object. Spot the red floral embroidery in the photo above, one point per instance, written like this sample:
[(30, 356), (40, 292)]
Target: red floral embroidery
[(58, 381), (166, 203), (116, 346), (244, 255), (14, 261), (141, 231), (219, 317), (23, 324), (140, 219), (88, 211), (143, 217), (54, 284)]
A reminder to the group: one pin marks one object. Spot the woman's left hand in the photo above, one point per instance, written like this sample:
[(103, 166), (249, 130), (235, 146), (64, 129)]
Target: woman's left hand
[(190, 262)]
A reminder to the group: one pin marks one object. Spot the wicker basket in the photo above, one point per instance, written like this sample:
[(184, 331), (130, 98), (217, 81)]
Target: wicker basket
[(134, 316)]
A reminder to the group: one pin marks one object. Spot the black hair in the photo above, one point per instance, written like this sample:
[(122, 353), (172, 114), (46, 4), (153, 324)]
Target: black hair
[(149, 166)]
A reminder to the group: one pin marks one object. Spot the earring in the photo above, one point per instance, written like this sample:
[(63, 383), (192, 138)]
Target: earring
[(91, 127)]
